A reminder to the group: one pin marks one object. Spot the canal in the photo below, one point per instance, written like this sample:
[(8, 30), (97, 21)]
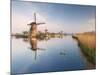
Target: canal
[(47, 55)]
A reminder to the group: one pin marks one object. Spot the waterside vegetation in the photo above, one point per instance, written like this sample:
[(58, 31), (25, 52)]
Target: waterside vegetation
[(87, 43)]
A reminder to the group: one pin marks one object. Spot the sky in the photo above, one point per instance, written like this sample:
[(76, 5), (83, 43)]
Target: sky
[(58, 17)]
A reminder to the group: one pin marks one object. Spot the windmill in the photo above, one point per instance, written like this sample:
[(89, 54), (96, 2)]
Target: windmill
[(33, 28)]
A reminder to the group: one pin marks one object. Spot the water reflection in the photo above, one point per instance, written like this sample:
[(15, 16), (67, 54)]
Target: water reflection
[(63, 53), (34, 44), (54, 54)]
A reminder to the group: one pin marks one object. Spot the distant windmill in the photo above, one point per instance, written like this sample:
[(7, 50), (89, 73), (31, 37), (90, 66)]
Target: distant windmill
[(33, 29)]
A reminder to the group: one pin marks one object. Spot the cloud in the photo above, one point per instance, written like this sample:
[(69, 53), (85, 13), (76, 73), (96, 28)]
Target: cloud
[(90, 25)]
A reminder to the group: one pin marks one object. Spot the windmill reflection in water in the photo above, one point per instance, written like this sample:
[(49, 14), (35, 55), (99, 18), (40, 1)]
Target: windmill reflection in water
[(34, 47)]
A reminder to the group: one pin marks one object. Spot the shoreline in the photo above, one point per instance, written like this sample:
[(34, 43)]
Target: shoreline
[(89, 52)]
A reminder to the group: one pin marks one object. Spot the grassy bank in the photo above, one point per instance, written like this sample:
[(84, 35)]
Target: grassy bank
[(87, 43)]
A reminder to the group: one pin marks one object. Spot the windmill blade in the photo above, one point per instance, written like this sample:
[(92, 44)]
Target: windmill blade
[(39, 23), (35, 17)]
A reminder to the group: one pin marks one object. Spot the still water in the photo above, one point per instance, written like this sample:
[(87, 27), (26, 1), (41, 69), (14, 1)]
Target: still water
[(54, 54)]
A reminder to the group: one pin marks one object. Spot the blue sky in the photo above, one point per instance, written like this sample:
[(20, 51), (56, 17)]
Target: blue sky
[(58, 17)]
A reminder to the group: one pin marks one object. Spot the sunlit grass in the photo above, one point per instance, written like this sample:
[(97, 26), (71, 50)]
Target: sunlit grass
[(87, 42)]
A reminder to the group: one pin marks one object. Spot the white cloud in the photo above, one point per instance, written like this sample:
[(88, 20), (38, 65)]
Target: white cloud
[(89, 25)]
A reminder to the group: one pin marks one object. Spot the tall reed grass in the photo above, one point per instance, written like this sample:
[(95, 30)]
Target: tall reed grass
[(87, 43)]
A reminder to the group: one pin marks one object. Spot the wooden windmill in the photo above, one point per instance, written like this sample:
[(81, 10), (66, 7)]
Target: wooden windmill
[(33, 29)]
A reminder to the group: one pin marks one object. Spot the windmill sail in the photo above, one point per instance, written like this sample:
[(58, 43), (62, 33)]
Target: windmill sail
[(39, 23), (35, 17)]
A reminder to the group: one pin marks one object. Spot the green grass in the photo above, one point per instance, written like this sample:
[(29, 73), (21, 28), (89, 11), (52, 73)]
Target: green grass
[(90, 53)]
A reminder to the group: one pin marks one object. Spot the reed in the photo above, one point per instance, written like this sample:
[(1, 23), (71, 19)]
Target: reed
[(87, 43)]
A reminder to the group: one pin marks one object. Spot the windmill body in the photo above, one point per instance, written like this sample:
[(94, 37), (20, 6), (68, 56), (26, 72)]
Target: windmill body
[(33, 28)]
